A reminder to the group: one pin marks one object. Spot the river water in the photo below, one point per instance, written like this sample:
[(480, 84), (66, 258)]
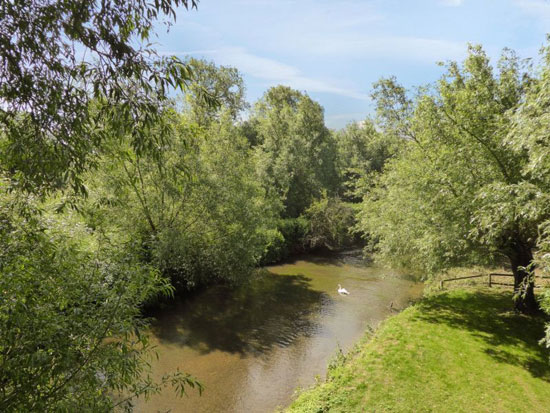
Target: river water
[(253, 346)]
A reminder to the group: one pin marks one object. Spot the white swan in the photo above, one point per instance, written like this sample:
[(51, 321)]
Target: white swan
[(342, 291)]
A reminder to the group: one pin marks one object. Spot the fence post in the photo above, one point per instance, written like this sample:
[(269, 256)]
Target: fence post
[(489, 280)]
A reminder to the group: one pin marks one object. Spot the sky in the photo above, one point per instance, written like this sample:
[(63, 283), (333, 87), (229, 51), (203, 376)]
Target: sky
[(335, 50)]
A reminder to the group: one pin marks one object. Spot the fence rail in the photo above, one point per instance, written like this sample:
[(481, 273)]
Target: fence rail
[(499, 274), (490, 279)]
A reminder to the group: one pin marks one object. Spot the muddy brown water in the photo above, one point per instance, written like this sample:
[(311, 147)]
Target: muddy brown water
[(253, 346)]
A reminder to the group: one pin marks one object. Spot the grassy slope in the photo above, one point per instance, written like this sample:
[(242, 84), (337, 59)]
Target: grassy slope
[(460, 351)]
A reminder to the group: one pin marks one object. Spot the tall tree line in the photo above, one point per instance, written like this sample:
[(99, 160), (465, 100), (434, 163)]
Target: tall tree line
[(138, 197)]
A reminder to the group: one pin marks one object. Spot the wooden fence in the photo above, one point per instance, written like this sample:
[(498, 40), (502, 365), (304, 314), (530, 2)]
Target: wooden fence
[(459, 278), (497, 274), (490, 279)]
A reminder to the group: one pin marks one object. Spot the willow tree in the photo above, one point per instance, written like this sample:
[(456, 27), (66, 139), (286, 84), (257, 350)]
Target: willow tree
[(69, 296), (58, 57), (530, 135), (457, 193), (199, 213)]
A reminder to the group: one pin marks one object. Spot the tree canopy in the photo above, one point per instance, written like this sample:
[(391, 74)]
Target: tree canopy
[(70, 68), (225, 84), (362, 153), (296, 152), (76, 77), (458, 194)]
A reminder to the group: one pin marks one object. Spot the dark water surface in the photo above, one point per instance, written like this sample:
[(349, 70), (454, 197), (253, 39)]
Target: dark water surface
[(252, 347)]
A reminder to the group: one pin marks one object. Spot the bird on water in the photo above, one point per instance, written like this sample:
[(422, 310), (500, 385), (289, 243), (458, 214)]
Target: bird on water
[(342, 291)]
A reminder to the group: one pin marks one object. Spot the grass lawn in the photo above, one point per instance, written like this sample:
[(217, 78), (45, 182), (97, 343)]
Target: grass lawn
[(458, 351)]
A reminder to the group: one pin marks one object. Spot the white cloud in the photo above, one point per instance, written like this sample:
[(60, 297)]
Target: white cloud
[(361, 47), (536, 8), (451, 3), (273, 71), (394, 47), (347, 29)]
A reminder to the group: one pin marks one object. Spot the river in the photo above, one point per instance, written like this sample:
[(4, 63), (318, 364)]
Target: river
[(253, 346)]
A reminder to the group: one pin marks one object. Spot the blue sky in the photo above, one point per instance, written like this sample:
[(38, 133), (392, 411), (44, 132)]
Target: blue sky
[(335, 50)]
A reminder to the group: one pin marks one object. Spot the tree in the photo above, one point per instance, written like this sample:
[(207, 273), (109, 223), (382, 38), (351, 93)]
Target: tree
[(330, 224), (221, 232), (196, 208), (75, 76), (456, 194), (223, 83), (362, 152), (529, 136), (68, 69), (296, 152), (70, 316)]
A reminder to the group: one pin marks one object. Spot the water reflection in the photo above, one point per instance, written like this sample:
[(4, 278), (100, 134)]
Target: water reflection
[(253, 346), (270, 311)]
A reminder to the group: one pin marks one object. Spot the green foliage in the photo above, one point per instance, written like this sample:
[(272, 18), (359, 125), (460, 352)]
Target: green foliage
[(529, 137), (225, 215), (71, 68), (77, 78), (276, 248), (196, 207), (545, 304), (289, 238), (326, 224), (457, 194), (362, 152), (336, 362), (69, 316), (330, 224), (224, 84), (296, 153)]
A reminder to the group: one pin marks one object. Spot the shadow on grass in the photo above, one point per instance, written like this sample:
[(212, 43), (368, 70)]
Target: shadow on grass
[(488, 316), (271, 310)]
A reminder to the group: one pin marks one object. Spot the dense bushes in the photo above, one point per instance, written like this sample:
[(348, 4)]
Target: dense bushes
[(69, 314), (328, 224), (331, 224), (197, 208), (287, 239)]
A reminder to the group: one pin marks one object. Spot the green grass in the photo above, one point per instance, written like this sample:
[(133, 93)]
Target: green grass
[(459, 351)]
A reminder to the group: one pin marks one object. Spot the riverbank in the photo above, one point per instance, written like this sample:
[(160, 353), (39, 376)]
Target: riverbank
[(457, 351), (252, 344)]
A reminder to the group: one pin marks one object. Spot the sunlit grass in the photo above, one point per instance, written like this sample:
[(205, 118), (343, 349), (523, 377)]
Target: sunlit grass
[(457, 351)]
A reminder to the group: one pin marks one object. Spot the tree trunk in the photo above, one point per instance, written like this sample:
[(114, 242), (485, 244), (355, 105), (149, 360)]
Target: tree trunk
[(524, 280)]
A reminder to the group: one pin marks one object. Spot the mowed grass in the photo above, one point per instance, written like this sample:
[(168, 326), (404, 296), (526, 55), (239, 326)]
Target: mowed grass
[(458, 351)]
